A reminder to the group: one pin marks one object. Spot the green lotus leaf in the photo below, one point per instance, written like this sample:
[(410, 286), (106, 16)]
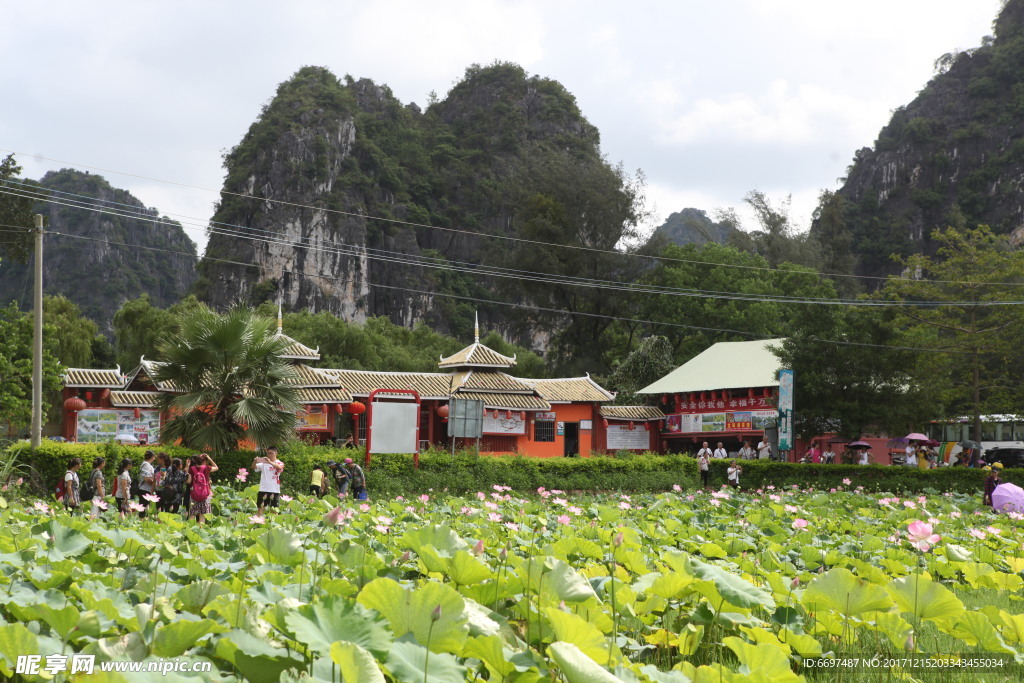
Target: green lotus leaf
[(409, 661), (839, 590), (173, 640), (921, 597), (570, 628), (280, 546), (736, 590), (763, 662), (15, 640), (441, 538), (412, 610), (195, 596), (355, 663), (977, 631), (577, 667), (322, 625)]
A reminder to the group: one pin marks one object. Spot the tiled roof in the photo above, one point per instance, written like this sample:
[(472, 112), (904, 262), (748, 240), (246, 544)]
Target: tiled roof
[(635, 413), (98, 379), (484, 380), (147, 368), (571, 389), (298, 350), (431, 385), (133, 399), (321, 395), (504, 401), (306, 376), (477, 355)]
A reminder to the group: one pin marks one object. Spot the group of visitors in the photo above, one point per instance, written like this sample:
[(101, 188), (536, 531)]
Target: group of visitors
[(174, 485), (817, 456), (347, 476)]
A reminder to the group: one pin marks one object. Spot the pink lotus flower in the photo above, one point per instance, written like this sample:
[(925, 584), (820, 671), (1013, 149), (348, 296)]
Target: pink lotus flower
[(573, 510), (995, 531), (564, 519), (921, 536), (494, 517), (490, 506), (677, 488), (21, 480), (257, 519), (909, 504), (846, 482), (480, 495), (381, 528), (385, 520), (978, 533), (478, 549), (499, 487), (3, 488), (136, 507), (41, 507), (933, 520), (715, 502), (799, 523), (424, 498), (99, 503), (242, 475), (775, 497), (152, 498), (559, 501), (399, 498), (955, 514), (363, 507), (625, 506), (333, 518), (544, 494), (512, 526), (286, 499), (792, 508)]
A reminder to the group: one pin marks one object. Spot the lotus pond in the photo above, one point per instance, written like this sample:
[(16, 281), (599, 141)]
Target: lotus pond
[(506, 586)]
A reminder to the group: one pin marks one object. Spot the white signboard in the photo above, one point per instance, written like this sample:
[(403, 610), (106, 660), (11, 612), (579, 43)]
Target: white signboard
[(104, 426), (502, 424), (621, 437), (393, 427)]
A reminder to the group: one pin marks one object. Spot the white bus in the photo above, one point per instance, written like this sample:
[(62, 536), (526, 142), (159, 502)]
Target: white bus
[(997, 431)]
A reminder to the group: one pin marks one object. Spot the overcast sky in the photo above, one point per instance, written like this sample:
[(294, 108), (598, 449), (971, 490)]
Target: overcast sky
[(709, 99)]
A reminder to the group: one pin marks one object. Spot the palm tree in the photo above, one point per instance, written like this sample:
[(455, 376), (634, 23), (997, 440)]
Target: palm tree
[(230, 382)]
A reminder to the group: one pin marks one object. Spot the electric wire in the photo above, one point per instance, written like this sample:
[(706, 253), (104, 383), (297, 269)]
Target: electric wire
[(493, 271), (472, 233)]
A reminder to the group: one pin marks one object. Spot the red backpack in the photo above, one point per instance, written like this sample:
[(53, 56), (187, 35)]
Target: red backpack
[(200, 484), (60, 490)]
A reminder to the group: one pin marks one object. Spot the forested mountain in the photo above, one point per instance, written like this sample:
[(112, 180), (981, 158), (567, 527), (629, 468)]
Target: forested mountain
[(952, 156), (693, 226), (95, 273), (314, 188)]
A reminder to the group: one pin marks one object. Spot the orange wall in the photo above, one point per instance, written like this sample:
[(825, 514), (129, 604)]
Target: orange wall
[(573, 412)]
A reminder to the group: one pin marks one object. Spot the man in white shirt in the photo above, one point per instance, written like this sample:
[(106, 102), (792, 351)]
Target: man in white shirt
[(147, 480), (270, 480), (705, 450), (764, 449), (733, 474), (720, 452)]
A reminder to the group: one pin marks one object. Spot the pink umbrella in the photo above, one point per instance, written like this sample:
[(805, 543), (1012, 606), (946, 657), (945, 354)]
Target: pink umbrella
[(916, 437), (1008, 498), (859, 444)]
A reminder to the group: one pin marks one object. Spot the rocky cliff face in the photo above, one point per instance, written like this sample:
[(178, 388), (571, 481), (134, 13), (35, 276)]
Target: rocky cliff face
[(325, 193), (95, 273), (692, 226), (954, 154)]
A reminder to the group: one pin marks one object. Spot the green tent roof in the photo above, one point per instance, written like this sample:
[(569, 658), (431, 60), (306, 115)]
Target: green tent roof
[(726, 365)]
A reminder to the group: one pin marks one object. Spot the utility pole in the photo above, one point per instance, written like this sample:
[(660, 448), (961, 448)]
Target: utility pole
[(37, 340)]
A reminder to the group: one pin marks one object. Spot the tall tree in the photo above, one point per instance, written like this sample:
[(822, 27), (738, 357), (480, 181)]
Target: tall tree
[(232, 381), (651, 360), (978, 273), (73, 334), (16, 369), (15, 214), (139, 326)]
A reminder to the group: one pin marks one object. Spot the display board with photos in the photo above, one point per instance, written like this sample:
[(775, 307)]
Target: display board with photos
[(695, 423), (110, 425)]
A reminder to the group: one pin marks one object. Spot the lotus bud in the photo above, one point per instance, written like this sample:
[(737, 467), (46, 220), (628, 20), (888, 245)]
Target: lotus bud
[(909, 645), (795, 582), (333, 518), (405, 556), (478, 549), (619, 538), (436, 613), (503, 555)]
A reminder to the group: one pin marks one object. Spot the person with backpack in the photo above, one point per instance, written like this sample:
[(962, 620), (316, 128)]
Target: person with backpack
[(95, 487), (358, 479), (172, 487), (341, 478), (199, 471), (72, 495), (123, 486), (704, 465)]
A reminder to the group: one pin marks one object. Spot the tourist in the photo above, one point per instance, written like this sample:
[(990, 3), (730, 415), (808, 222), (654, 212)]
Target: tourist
[(72, 495), (316, 482), (97, 484), (704, 449), (720, 452), (746, 452), (991, 482), (862, 456), (147, 480), (358, 479), (172, 487), (163, 468), (704, 465), (341, 478), (123, 486), (911, 452), (764, 449), (829, 456), (199, 471), (813, 454), (733, 474), (269, 468)]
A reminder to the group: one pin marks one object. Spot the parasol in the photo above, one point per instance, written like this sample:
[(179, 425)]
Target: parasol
[(916, 436), (1008, 498), (859, 444)]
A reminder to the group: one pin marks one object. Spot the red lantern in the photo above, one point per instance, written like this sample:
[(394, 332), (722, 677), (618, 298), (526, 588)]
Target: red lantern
[(632, 426), (495, 414), (664, 399), (138, 413), (105, 394), (508, 414), (605, 423), (522, 416), (356, 408), (88, 396), (338, 408), (74, 404), (442, 411), (647, 426)]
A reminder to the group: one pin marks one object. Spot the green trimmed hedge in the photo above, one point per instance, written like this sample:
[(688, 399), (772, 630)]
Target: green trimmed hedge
[(761, 473), (390, 475)]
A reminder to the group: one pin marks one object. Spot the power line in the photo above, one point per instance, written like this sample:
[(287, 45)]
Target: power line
[(494, 271), (471, 233), (524, 306)]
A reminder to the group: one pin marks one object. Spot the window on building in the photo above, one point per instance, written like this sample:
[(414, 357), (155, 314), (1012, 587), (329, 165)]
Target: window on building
[(543, 431)]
